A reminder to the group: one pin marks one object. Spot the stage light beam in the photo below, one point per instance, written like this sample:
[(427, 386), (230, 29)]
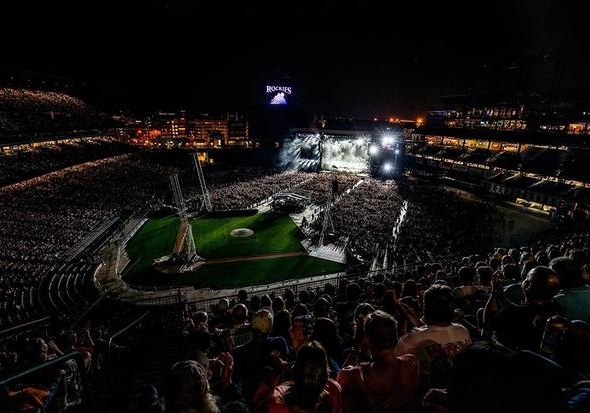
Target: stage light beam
[(387, 140)]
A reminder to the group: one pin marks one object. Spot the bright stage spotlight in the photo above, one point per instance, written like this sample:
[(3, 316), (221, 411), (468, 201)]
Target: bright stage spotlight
[(396, 151), (387, 140), (373, 150), (387, 167)]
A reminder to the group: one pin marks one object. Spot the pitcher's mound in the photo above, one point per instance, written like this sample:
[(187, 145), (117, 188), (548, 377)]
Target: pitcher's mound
[(242, 232)]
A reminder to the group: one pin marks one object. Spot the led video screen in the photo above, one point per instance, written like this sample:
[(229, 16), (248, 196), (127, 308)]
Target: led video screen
[(349, 155)]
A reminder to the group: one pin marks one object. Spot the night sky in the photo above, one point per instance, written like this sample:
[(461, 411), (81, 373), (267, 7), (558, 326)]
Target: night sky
[(374, 58)]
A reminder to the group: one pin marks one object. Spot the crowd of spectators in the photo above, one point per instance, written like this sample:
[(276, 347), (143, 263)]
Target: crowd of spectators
[(440, 222), (61, 387), (27, 111), (41, 218), (245, 188), (44, 216), (320, 187), (34, 161), (40, 101), (447, 339), (498, 328), (373, 206), (245, 192)]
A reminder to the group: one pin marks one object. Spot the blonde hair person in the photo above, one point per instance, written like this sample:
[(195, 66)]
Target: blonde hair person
[(188, 389)]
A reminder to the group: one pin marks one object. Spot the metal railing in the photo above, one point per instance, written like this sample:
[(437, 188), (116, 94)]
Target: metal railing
[(95, 235), (31, 325), (87, 401), (121, 332), (85, 314), (118, 388)]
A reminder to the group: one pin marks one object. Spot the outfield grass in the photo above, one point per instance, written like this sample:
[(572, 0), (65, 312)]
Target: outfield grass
[(273, 234)]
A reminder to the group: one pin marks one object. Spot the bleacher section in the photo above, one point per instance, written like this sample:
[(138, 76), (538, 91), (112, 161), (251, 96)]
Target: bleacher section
[(25, 113)]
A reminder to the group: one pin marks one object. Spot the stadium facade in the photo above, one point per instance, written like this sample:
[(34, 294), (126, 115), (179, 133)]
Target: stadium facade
[(532, 153)]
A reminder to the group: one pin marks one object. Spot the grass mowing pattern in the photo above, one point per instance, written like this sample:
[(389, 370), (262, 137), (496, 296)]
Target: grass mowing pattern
[(273, 233)]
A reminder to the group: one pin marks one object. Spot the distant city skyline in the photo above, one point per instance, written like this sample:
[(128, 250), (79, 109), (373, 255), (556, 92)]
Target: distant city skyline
[(363, 59)]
